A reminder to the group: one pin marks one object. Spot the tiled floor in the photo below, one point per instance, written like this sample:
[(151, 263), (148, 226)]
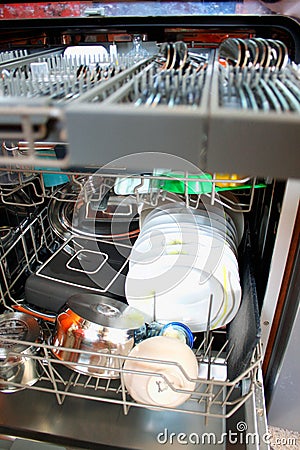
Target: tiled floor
[(282, 439)]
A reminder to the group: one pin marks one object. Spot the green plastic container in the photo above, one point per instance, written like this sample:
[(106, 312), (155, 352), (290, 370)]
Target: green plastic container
[(193, 187)]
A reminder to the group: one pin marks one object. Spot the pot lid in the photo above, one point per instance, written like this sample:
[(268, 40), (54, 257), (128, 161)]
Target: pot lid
[(69, 214), (19, 327), (107, 312)]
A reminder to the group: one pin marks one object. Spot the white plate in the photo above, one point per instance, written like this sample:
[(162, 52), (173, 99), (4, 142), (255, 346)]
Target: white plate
[(171, 296), (170, 235), (148, 252), (194, 220), (210, 221), (195, 315), (207, 249), (163, 208), (178, 294), (208, 256), (172, 227), (223, 222), (156, 242), (214, 211), (171, 201), (192, 224), (231, 301), (237, 217)]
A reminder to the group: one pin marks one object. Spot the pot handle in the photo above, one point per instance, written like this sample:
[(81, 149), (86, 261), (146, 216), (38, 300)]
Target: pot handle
[(48, 317)]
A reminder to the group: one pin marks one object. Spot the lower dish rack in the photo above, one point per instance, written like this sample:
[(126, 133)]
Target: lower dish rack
[(212, 396), (33, 243)]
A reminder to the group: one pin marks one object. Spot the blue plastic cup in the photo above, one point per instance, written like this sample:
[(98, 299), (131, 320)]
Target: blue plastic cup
[(178, 330), (51, 179)]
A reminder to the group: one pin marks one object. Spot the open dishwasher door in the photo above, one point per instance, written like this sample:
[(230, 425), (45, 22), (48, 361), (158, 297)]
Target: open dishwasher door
[(203, 96)]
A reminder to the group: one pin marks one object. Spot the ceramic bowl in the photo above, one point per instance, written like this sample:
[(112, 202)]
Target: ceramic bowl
[(162, 373)]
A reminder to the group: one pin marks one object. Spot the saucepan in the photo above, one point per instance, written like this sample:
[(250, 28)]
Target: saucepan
[(97, 324), (17, 367)]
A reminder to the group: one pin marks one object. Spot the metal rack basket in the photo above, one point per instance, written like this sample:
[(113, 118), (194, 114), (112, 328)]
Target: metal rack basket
[(134, 102), (212, 396)]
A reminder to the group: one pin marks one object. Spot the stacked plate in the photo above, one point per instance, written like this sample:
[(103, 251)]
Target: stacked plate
[(183, 267)]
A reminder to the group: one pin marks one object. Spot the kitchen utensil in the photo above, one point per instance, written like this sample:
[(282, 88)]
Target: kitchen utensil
[(198, 225), (188, 300), (233, 209), (179, 260), (95, 266), (16, 365), (97, 324), (180, 331), (160, 366), (174, 184), (51, 179), (67, 215)]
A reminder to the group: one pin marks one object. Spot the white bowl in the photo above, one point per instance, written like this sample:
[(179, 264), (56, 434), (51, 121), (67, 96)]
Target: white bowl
[(173, 366)]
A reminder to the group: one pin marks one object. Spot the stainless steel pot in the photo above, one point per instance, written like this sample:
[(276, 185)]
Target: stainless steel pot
[(16, 365), (72, 210), (104, 326)]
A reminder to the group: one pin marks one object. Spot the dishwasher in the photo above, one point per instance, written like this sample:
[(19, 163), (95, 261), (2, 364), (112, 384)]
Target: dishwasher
[(149, 188)]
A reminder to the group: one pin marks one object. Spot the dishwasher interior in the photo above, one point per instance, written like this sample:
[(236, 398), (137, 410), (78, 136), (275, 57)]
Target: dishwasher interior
[(182, 98)]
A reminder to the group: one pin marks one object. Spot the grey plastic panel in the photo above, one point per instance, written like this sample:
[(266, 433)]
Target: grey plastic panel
[(99, 134), (253, 143), (214, 138)]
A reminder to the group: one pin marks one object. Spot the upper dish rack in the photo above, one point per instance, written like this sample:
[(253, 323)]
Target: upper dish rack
[(165, 102), (28, 187)]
